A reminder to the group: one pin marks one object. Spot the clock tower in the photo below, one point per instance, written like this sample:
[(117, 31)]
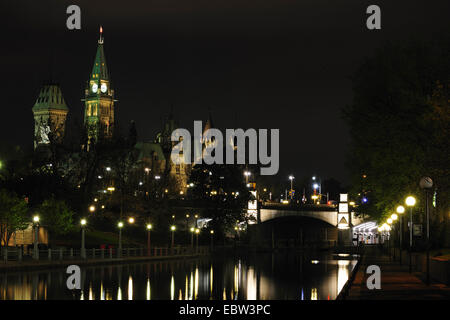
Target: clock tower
[(99, 99)]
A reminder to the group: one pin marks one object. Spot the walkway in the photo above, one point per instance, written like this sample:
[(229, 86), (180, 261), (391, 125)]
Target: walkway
[(396, 281)]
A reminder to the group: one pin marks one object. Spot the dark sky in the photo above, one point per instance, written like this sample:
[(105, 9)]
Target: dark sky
[(257, 64)]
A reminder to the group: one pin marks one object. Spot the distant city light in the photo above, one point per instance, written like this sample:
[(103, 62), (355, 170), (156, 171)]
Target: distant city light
[(131, 220), (364, 200), (83, 222), (157, 177), (315, 186), (108, 168), (92, 208)]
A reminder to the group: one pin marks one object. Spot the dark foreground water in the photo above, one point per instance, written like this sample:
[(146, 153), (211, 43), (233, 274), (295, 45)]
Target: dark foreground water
[(262, 276)]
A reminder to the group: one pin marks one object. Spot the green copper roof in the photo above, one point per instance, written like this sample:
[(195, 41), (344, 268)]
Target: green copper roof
[(50, 98), (100, 70)]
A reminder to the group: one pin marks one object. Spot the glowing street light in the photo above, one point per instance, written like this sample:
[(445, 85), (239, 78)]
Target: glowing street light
[(410, 202), (389, 221), (394, 217), (36, 237), (92, 208), (172, 229), (292, 187), (149, 228), (212, 238), (197, 232), (247, 174), (120, 225), (131, 220), (83, 223), (400, 210)]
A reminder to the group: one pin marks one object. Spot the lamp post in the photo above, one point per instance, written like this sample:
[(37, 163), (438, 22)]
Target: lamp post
[(212, 238), (120, 226), (172, 229), (83, 247), (36, 237), (192, 236), (426, 183), (149, 229), (394, 218), (410, 202), (247, 174), (292, 181), (197, 231), (400, 211)]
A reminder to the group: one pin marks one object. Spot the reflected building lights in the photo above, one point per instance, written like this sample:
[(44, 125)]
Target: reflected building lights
[(172, 288), (211, 280), (119, 293), (148, 295), (102, 291), (251, 284), (314, 294), (186, 288), (196, 283), (191, 287), (91, 294), (342, 274), (130, 288)]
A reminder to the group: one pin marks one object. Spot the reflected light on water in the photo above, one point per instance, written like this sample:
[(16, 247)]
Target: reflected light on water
[(172, 288), (130, 288), (342, 273), (186, 288), (196, 284), (91, 294), (148, 293), (119, 293), (314, 294), (191, 287), (102, 291), (211, 280), (251, 284)]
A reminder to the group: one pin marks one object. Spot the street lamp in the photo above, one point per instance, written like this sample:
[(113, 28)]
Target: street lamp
[(212, 238), (149, 228), (292, 181), (120, 226), (247, 174), (83, 247), (131, 220), (401, 210), (92, 208), (197, 231), (36, 237), (410, 202), (172, 229), (192, 230)]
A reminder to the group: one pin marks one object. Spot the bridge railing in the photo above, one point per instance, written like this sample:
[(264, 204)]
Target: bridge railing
[(16, 254)]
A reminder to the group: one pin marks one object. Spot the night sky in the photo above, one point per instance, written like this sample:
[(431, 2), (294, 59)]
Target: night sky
[(257, 64)]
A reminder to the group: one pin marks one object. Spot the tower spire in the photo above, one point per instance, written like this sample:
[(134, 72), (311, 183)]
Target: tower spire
[(100, 40)]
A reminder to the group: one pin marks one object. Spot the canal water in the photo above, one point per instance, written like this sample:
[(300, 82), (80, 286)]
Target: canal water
[(226, 277)]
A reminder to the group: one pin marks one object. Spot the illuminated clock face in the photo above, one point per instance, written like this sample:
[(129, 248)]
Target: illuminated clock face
[(103, 87), (94, 87)]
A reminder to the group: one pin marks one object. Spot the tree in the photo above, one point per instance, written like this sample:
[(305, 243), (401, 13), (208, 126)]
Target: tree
[(13, 215), (399, 126), (56, 216), (223, 193)]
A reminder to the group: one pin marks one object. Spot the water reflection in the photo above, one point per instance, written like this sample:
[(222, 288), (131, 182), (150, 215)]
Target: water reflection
[(272, 276)]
